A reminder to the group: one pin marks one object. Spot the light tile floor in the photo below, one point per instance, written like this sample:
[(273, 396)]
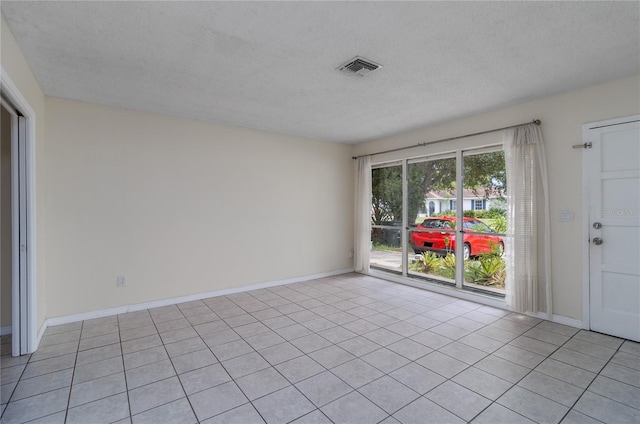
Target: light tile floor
[(347, 349)]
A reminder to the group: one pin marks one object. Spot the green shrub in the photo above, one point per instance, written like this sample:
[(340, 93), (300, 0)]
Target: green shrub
[(496, 212), (488, 270), (430, 262), (448, 266), (416, 266), (448, 212), (499, 224)]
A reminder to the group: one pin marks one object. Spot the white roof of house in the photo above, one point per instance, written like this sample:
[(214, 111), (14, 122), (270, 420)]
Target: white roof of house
[(466, 194)]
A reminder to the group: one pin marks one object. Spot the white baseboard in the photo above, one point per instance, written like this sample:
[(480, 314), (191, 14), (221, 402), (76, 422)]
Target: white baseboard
[(6, 330), (572, 322), (43, 328), (559, 319), (172, 301)]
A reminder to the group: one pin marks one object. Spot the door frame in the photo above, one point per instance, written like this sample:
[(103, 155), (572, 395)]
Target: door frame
[(586, 244), (27, 332)]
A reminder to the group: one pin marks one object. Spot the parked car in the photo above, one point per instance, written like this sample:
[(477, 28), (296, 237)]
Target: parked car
[(444, 241)]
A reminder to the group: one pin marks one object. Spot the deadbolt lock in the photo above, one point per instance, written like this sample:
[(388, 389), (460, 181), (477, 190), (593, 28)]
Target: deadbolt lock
[(597, 225)]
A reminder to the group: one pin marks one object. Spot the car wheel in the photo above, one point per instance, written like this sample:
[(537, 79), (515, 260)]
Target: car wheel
[(417, 251), (466, 251)]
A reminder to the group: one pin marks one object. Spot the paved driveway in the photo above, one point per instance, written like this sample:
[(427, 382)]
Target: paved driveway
[(388, 258)]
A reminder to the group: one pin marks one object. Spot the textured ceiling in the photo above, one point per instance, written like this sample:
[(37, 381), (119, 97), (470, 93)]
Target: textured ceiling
[(271, 65)]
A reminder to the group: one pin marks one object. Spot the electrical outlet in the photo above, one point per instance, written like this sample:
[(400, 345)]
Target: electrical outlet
[(565, 216), (122, 281)]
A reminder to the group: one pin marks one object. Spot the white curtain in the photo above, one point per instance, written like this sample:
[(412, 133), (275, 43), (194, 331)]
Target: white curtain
[(528, 285), (363, 213)]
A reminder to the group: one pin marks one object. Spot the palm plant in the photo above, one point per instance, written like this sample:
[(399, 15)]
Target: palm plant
[(430, 262), (448, 264), (488, 270)]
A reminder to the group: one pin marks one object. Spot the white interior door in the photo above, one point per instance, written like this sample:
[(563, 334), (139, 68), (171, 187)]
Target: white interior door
[(613, 169)]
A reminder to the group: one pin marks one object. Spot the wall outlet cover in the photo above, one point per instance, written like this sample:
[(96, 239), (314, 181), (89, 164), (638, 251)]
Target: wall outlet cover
[(566, 216)]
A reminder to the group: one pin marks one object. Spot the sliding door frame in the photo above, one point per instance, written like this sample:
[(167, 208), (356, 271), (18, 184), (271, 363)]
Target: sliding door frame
[(24, 306), (404, 278)]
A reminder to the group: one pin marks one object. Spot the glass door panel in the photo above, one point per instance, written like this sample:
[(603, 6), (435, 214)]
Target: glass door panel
[(386, 218), (485, 221), (431, 219)]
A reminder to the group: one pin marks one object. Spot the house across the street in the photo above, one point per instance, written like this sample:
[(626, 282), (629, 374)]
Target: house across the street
[(476, 200)]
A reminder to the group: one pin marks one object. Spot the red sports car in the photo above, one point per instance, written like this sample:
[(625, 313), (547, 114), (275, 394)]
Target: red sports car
[(438, 235)]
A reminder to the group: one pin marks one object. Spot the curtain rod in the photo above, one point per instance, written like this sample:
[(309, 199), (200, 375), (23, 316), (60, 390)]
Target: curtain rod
[(426, 143)]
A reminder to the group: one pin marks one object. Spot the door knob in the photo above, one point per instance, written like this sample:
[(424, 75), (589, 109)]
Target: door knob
[(597, 241)]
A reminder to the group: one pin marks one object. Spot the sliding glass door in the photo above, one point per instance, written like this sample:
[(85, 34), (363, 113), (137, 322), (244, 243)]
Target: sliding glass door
[(485, 220), (441, 219), (431, 225)]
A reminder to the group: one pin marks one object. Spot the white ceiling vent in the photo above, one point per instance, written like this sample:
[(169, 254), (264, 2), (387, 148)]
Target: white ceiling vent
[(359, 66)]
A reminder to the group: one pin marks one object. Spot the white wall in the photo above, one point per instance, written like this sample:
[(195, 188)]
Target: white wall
[(14, 66), (183, 207), (562, 118)]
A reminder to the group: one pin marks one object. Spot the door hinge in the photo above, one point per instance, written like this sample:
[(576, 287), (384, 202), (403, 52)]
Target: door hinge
[(586, 145)]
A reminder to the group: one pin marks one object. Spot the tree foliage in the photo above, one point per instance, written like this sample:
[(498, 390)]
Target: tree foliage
[(386, 200), (483, 173)]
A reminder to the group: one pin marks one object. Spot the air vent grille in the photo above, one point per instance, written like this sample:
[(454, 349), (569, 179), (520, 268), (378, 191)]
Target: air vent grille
[(359, 66)]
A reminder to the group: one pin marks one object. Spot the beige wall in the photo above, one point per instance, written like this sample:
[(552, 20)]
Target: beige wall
[(562, 118), (16, 68), (5, 218), (183, 207)]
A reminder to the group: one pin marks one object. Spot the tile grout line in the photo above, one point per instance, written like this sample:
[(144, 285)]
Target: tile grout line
[(447, 379), (29, 361), (325, 369), (384, 374), (521, 379), (15, 387), (360, 291), (73, 373), (226, 371), (322, 330), (549, 357), (318, 408), (18, 382), (594, 379), (124, 370), (271, 366), (414, 361), (174, 370), (471, 365)]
